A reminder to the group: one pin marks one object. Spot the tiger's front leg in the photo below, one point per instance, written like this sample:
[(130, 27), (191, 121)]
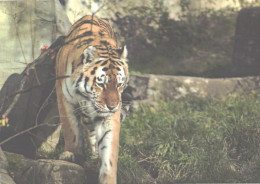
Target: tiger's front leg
[(91, 137), (108, 146), (74, 144)]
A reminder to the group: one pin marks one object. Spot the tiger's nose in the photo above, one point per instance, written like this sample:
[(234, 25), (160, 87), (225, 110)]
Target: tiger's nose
[(111, 108)]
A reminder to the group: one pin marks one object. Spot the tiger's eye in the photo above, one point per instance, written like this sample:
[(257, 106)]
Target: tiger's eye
[(119, 84), (101, 85)]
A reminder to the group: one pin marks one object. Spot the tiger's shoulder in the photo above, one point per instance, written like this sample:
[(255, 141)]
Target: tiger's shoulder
[(98, 29)]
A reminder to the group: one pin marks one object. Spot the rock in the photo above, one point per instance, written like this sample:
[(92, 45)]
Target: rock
[(5, 178), (149, 88), (36, 106), (26, 27), (3, 160), (246, 55), (44, 171), (62, 20), (51, 142), (4, 175)]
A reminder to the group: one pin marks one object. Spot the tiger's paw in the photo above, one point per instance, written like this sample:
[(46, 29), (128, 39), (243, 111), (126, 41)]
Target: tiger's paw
[(67, 156)]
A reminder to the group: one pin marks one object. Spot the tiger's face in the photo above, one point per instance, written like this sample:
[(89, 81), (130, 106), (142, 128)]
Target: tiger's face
[(102, 81)]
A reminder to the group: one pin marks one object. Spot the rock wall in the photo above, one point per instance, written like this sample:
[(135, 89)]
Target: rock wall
[(26, 27), (149, 88)]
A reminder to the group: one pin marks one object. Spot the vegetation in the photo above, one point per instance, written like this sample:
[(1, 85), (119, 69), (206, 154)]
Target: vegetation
[(197, 43), (192, 140)]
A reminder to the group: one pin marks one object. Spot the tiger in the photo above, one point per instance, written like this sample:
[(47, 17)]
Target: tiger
[(93, 72)]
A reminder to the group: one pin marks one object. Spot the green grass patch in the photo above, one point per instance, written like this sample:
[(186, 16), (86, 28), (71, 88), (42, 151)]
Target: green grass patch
[(192, 140)]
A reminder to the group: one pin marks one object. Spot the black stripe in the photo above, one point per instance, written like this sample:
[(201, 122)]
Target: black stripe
[(87, 33), (82, 57), (105, 69), (106, 26), (102, 48), (101, 33), (82, 23), (72, 68), (98, 61), (118, 63), (94, 80), (114, 57), (105, 52), (79, 93), (103, 147), (104, 63), (84, 42), (79, 79), (104, 42), (68, 90), (100, 141), (93, 71), (86, 81)]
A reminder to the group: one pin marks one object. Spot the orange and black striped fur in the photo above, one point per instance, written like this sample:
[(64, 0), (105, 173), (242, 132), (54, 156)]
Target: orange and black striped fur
[(90, 97)]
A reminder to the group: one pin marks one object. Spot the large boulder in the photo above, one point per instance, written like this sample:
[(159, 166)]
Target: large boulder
[(32, 97), (44, 171), (149, 88), (246, 56)]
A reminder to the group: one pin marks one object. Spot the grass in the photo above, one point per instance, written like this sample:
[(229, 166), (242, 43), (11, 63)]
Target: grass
[(192, 140)]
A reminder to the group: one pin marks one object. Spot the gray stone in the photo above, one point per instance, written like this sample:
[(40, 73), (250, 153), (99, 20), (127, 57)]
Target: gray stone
[(149, 88), (45, 171), (3, 160), (4, 175), (62, 20), (5, 178)]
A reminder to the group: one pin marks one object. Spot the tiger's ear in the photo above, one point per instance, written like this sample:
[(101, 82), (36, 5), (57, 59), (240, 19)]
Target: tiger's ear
[(123, 53), (89, 54)]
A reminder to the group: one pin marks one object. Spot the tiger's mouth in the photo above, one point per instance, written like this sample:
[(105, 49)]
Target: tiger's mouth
[(93, 109), (104, 111)]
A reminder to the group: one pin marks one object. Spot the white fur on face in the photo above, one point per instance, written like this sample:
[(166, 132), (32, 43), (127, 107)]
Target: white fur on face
[(101, 76), (121, 76)]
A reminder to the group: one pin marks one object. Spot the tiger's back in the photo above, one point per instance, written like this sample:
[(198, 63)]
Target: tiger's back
[(86, 31)]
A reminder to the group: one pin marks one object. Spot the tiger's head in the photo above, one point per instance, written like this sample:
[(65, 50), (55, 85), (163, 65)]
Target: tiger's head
[(101, 80)]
